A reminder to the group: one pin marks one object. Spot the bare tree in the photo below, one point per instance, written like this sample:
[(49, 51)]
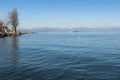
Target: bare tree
[(1, 23), (13, 16), (7, 21)]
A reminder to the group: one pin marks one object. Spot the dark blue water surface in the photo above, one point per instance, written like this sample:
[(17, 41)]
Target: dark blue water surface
[(60, 56)]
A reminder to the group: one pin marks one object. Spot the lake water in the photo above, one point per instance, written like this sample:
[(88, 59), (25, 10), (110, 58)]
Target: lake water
[(60, 56)]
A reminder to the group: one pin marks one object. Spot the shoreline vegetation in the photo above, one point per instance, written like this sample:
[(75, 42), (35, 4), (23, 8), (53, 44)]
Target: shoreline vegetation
[(12, 22)]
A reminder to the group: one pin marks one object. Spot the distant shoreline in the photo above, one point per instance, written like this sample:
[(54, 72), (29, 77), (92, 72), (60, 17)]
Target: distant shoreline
[(79, 29)]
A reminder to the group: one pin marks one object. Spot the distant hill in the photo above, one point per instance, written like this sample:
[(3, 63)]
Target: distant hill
[(80, 29), (102, 29)]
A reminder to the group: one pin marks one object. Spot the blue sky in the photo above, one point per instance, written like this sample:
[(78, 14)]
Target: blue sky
[(64, 13)]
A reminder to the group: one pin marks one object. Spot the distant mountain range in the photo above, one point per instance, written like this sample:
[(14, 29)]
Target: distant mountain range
[(81, 29)]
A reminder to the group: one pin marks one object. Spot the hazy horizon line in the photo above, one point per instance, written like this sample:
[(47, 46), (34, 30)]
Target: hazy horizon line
[(68, 27)]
